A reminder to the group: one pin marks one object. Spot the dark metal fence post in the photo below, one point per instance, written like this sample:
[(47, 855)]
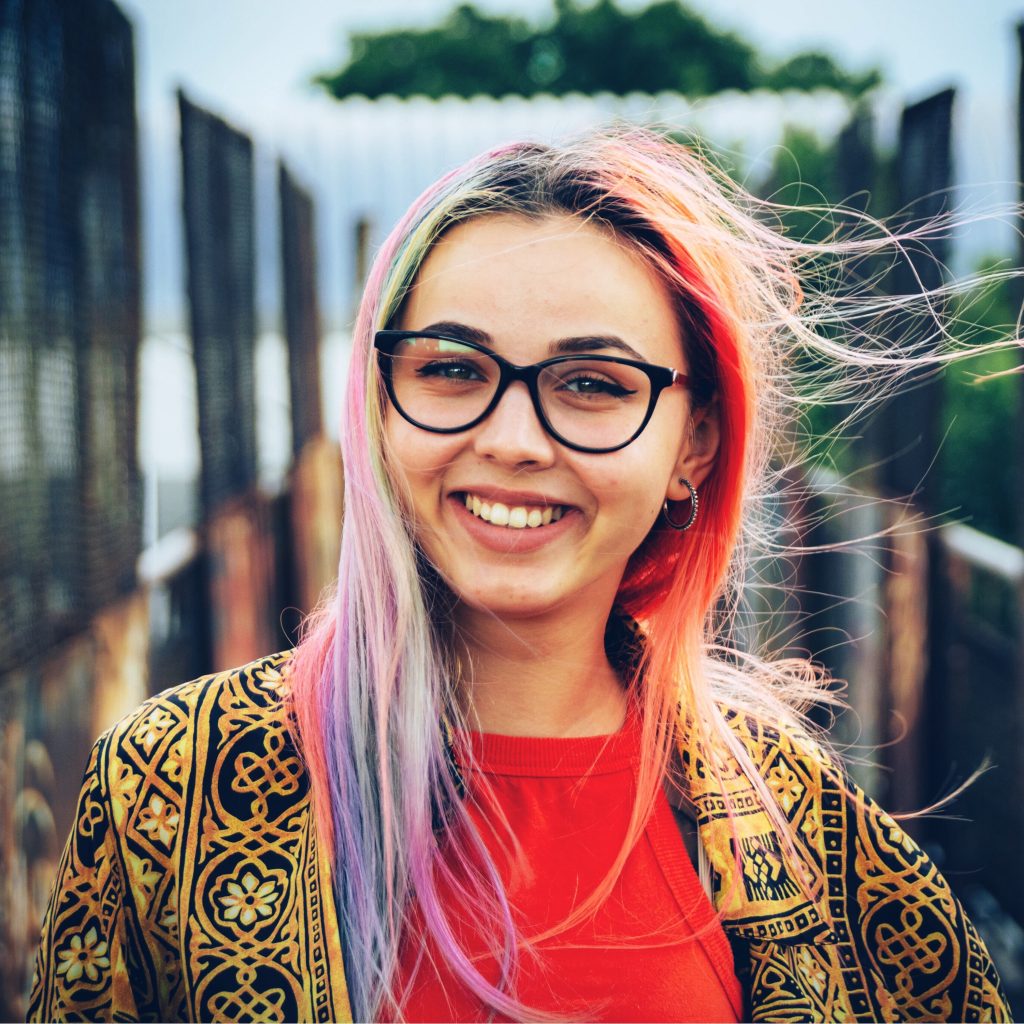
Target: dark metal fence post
[(908, 433), (861, 189), (217, 163), (924, 174), (301, 311), (219, 207), (315, 499)]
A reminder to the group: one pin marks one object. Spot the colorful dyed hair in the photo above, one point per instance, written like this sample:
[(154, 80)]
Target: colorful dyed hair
[(373, 681)]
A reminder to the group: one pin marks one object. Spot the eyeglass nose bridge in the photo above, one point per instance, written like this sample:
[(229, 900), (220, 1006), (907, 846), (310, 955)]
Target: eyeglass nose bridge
[(509, 373)]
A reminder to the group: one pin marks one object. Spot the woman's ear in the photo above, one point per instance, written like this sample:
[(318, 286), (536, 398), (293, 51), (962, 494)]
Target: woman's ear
[(698, 451)]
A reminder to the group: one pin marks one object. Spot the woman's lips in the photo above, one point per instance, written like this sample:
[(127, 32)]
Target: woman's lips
[(499, 529)]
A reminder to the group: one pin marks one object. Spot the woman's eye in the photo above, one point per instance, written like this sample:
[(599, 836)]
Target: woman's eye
[(586, 384), (450, 370)]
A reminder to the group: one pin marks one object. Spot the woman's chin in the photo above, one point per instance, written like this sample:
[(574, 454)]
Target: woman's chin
[(510, 601), (508, 605)]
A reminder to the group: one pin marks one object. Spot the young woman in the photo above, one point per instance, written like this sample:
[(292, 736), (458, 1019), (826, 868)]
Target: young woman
[(517, 769)]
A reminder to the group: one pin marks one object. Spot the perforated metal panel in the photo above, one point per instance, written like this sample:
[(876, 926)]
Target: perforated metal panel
[(70, 503)]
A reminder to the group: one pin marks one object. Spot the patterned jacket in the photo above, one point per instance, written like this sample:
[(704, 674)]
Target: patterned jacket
[(192, 886)]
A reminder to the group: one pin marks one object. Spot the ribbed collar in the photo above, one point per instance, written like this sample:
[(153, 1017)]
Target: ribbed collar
[(540, 756)]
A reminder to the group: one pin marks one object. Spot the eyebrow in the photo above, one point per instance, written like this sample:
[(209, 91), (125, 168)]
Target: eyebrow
[(562, 346)]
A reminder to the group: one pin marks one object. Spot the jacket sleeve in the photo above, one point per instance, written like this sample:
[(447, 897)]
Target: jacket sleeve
[(924, 959), (82, 967)]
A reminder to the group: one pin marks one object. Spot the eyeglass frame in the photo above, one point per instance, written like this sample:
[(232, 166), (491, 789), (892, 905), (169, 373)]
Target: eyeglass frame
[(661, 377)]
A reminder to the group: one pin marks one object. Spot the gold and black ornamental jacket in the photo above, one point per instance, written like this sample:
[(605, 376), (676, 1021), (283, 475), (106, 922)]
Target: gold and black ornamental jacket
[(193, 886)]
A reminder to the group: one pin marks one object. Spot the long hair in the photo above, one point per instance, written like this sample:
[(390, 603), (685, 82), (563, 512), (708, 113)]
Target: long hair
[(373, 681)]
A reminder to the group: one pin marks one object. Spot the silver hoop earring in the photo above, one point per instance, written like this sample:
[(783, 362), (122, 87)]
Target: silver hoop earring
[(693, 508)]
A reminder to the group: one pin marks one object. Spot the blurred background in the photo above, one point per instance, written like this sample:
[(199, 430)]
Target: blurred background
[(190, 194)]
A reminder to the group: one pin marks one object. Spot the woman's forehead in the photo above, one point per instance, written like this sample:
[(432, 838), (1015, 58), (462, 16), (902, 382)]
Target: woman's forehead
[(517, 277), (531, 242)]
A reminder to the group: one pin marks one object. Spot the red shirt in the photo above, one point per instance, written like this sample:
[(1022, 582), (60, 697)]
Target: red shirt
[(567, 802)]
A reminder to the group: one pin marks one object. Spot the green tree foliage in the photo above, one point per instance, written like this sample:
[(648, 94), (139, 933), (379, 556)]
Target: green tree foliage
[(816, 70), (978, 466), (585, 48)]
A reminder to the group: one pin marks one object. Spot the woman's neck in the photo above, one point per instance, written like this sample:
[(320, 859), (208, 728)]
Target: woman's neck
[(548, 676)]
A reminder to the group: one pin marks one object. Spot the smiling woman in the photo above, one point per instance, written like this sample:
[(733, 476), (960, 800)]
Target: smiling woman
[(519, 768)]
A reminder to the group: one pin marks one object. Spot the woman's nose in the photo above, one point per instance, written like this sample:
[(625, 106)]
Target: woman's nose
[(513, 434)]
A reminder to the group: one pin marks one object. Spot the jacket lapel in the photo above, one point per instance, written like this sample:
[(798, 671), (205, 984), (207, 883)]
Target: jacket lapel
[(754, 884)]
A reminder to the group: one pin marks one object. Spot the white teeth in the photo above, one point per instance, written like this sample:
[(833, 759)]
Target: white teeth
[(518, 517)]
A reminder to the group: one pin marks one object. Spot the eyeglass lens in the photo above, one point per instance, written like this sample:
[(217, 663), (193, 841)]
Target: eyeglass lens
[(444, 385)]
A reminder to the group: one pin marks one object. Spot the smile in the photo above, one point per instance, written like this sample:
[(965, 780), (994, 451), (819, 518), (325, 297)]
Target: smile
[(515, 517)]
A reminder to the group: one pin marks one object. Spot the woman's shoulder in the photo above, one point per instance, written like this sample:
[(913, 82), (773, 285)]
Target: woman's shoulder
[(210, 709), (767, 740), (840, 831), (799, 771), (211, 746)]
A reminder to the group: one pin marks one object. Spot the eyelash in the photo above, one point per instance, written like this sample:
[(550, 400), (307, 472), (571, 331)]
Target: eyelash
[(617, 390), (439, 367)]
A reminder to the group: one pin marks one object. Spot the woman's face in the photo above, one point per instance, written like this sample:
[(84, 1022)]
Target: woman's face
[(523, 285)]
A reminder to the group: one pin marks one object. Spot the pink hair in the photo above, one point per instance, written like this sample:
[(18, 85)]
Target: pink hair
[(372, 680)]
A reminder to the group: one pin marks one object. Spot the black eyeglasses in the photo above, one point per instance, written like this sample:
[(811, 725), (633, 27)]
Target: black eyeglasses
[(589, 403)]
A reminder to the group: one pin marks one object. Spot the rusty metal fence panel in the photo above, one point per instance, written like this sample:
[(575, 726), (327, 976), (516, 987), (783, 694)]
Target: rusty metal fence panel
[(217, 165), (70, 498)]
